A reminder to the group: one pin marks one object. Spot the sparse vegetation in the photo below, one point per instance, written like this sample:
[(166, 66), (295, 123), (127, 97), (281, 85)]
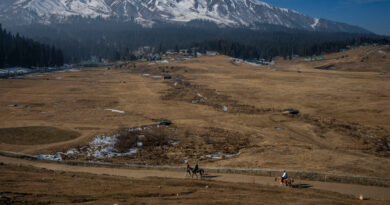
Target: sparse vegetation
[(35, 135)]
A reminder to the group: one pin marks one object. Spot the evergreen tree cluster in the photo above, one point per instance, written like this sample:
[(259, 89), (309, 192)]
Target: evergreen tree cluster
[(268, 49), (19, 51), (113, 39)]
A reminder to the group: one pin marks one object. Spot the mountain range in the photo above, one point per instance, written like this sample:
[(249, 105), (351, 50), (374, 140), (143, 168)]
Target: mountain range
[(225, 13)]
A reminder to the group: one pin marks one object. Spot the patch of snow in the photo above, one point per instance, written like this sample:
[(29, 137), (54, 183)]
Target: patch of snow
[(117, 111), (162, 61), (72, 152), (250, 63), (103, 147), (174, 143), (219, 154), (232, 155), (214, 156), (225, 108), (56, 157), (316, 22)]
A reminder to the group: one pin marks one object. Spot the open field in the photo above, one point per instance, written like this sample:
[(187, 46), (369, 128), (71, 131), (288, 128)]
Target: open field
[(36, 182), (225, 114)]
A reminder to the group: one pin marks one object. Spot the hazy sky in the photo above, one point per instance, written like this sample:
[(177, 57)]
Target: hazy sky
[(373, 15)]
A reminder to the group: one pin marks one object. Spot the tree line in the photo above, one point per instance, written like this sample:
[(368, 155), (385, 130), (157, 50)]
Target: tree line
[(19, 51), (267, 49), (113, 39)]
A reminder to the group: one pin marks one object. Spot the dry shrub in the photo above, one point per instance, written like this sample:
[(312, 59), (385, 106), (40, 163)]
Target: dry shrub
[(228, 142), (126, 140), (155, 137)]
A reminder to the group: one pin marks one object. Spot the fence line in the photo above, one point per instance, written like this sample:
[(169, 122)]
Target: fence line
[(298, 174)]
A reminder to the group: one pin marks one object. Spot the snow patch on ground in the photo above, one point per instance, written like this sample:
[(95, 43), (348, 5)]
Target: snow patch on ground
[(253, 64), (56, 157), (220, 156), (214, 156), (174, 143), (117, 111), (102, 147), (224, 108)]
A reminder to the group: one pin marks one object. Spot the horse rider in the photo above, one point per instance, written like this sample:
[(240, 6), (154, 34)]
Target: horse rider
[(188, 169), (196, 167), (284, 176)]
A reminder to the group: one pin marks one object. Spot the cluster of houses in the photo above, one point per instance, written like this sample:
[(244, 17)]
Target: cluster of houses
[(313, 58), (260, 61), (148, 53)]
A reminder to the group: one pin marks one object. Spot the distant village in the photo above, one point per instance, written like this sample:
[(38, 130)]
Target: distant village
[(150, 54)]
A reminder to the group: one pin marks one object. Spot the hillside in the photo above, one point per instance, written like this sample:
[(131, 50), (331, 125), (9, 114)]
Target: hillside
[(231, 13)]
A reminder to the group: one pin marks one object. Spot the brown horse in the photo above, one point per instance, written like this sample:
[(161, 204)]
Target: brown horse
[(287, 182)]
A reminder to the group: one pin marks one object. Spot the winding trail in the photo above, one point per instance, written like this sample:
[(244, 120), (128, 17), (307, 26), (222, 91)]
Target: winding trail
[(378, 193)]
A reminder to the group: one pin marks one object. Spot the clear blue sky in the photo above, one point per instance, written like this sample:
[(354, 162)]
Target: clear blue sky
[(373, 15)]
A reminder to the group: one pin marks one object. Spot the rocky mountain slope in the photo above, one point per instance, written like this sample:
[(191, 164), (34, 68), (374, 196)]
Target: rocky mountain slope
[(232, 13)]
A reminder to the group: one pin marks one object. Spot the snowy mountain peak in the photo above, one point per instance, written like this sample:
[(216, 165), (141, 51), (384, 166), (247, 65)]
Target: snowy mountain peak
[(233, 13)]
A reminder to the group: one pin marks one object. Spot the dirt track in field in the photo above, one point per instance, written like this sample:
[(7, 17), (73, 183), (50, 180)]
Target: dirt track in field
[(377, 193)]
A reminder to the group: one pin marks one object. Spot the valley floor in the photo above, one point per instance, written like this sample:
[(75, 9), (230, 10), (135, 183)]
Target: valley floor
[(224, 114)]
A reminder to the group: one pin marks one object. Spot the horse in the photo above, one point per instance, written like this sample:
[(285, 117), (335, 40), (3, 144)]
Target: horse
[(200, 171), (189, 171), (287, 182)]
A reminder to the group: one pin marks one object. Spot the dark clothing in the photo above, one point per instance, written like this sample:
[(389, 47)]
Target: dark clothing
[(196, 168), (283, 178)]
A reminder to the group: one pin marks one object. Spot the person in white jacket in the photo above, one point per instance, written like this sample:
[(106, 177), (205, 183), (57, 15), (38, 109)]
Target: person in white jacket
[(284, 176)]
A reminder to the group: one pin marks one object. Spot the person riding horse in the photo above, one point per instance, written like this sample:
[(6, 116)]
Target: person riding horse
[(194, 171), (284, 176), (189, 169), (196, 167)]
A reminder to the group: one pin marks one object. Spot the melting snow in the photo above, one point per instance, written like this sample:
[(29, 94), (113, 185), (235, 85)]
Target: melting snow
[(102, 147), (224, 108), (214, 156), (56, 157), (174, 143), (118, 111), (219, 156)]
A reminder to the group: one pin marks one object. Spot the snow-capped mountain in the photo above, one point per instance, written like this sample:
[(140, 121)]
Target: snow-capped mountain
[(233, 13)]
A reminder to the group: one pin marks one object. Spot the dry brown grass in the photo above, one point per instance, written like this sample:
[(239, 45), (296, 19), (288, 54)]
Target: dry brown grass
[(28, 185), (343, 126), (35, 135)]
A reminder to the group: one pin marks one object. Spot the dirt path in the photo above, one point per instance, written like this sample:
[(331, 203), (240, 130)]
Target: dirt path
[(379, 193)]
